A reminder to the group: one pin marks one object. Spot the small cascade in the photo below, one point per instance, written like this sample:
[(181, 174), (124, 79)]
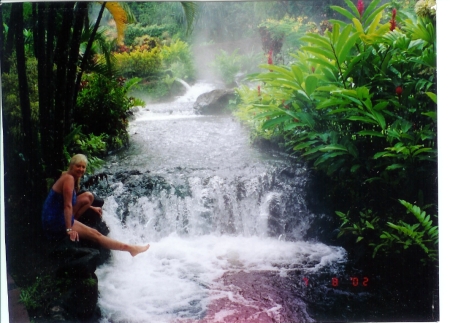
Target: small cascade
[(184, 83), (225, 221)]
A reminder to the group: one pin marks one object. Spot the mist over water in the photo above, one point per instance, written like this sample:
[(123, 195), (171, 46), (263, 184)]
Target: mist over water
[(224, 220)]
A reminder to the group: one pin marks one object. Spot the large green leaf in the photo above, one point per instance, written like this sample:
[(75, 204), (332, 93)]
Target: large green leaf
[(298, 74), (329, 103), (275, 122), (352, 7), (346, 47), (321, 51), (343, 12), (371, 133), (306, 144), (316, 39), (333, 147), (286, 72), (342, 38), (373, 13), (328, 156), (372, 5), (310, 84), (363, 119), (432, 96), (322, 60)]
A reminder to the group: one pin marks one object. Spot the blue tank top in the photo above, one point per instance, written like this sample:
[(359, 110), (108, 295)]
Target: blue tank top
[(53, 221)]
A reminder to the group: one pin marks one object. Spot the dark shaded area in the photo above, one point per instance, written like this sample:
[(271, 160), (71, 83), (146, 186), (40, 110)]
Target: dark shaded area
[(67, 288), (401, 287)]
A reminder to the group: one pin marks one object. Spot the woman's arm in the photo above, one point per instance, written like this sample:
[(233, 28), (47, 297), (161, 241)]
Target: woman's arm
[(68, 188)]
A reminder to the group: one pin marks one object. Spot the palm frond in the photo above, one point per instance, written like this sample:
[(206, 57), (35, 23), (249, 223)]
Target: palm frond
[(120, 16), (190, 11)]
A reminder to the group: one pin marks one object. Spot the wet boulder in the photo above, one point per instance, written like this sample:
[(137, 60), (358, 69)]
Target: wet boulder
[(214, 102)]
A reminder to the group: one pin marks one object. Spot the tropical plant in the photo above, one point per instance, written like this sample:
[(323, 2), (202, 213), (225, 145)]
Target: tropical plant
[(359, 104), (102, 107), (177, 59), (423, 234), (227, 65), (143, 64)]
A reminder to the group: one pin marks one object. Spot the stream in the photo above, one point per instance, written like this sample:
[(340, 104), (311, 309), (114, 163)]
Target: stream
[(226, 223)]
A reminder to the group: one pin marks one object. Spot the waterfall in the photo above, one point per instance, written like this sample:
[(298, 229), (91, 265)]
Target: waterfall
[(226, 224)]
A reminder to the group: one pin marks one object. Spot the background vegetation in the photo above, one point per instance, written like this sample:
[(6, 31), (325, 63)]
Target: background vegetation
[(351, 91), (358, 102)]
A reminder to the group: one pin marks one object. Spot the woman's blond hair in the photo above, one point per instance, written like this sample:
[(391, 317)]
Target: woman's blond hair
[(78, 158), (75, 160)]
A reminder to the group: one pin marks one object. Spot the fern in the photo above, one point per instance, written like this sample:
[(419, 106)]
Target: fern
[(423, 233)]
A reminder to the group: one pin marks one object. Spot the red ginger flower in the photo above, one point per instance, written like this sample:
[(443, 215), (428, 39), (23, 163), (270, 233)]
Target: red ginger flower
[(269, 58), (360, 7), (392, 21), (398, 91)]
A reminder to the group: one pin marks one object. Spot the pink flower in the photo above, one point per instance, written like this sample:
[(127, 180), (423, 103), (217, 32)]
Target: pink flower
[(360, 7)]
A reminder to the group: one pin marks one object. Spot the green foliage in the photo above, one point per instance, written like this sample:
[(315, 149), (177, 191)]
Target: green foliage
[(102, 108), (10, 98), (227, 66), (154, 62), (289, 30), (359, 104), (30, 296), (90, 282), (423, 233), (230, 67), (364, 223), (46, 289), (139, 63), (177, 58), (138, 30)]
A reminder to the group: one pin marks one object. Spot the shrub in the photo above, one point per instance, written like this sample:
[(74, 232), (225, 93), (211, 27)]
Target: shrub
[(177, 58), (141, 64), (138, 30), (102, 107)]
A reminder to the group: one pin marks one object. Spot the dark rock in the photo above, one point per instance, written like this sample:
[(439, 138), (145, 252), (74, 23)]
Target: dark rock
[(74, 281), (214, 102), (75, 291)]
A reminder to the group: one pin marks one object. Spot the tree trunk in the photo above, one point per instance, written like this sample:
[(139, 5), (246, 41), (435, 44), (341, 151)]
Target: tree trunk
[(9, 45), (72, 85), (33, 184), (61, 60), (88, 50)]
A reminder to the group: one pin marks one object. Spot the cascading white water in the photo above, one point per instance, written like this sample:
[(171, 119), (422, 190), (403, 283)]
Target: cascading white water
[(217, 215)]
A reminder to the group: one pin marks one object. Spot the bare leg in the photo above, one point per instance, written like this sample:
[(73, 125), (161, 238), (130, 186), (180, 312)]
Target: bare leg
[(84, 201), (88, 233)]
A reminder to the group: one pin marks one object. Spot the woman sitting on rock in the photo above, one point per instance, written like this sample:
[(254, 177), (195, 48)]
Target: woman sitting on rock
[(62, 208)]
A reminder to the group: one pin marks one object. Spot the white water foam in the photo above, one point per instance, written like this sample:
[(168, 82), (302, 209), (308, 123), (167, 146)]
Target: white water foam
[(178, 276), (181, 277)]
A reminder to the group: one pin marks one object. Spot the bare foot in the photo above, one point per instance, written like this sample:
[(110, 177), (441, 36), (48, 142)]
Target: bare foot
[(135, 250)]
